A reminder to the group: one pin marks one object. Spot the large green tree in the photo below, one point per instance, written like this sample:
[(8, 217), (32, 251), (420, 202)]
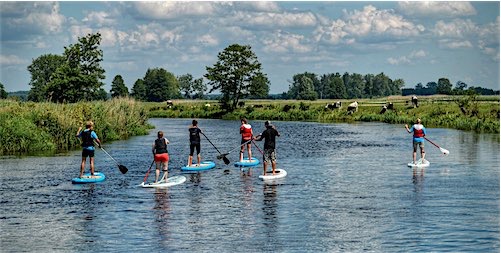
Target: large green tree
[(3, 93), (233, 74), (161, 85), (139, 90), (41, 70), (190, 87), (80, 77), (118, 88), (260, 86), (304, 84), (444, 86)]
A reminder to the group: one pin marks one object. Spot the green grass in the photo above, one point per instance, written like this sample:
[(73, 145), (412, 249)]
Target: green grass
[(27, 127)]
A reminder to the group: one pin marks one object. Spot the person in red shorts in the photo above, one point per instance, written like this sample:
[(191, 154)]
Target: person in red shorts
[(161, 155), (247, 136)]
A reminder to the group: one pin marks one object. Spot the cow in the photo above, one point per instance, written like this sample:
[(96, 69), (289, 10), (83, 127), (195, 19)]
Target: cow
[(353, 107), (169, 103), (336, 105), (383, 109), (414, 101)]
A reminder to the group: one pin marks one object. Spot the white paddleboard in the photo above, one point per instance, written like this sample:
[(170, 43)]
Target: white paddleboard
[(279, 173), (420, 164), (162, 183)]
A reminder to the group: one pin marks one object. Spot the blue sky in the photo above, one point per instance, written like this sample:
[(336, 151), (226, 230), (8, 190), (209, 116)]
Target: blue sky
[(416, 41)]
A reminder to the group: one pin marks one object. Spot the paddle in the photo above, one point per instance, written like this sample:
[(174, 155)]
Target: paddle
[(257, 147), (443, 150), (225, 154), (148, 172), (226, 160), (121, 167)]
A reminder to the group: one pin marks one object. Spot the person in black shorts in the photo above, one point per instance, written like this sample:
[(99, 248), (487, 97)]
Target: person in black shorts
[(88, 136), (194, 142), (269, 154)]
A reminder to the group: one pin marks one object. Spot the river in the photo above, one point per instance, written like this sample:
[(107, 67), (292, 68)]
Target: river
[(348, 189)]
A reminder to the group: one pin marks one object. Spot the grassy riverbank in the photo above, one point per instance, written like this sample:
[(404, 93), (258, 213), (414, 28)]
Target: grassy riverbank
[(27, 127), (480, 114)]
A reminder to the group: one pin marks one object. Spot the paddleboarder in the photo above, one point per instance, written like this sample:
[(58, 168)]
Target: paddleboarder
[(161, 155), (247, 135), (419, 132), (269, 154), (88, 136), (194, 142)]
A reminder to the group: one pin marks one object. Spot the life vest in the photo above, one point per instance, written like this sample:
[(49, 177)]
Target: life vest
[(246, 131), (194, 135), (160, 146), (87, 140), (418, 131)]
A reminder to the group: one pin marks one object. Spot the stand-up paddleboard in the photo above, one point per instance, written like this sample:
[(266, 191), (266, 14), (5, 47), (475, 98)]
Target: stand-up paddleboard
[(87, 178), (420, 164), (279, 173), (175, 180), (247, 163), (205, 165)]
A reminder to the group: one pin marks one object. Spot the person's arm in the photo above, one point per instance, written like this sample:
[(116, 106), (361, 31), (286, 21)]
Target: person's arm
[(166, 141), (94, 136), (259, 137), (153, 148), (98, 142), (407, 128), (78, 132)]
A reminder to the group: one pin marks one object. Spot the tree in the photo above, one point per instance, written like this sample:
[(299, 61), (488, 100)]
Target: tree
[(3, 93), (118, 88), (199, 88), (233, 73), (419, 86), (260, 86), (185, 85), (444, 86), (79, 78), (41, 70), (161, 85), (139, 90)]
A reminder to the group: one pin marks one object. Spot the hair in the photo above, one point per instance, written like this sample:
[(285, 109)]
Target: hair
[(194, 122), (160, 134), (89, 124), (267, 123), (244, 120), (418, 120)]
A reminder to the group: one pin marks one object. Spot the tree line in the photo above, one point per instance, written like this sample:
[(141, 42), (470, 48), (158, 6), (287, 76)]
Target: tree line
[(444, 86), (308, 86)]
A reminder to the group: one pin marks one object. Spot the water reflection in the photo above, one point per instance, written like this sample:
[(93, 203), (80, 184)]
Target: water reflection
[(270, 209), (162, 212)]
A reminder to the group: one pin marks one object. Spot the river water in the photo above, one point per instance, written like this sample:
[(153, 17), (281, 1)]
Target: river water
[(348, 189)]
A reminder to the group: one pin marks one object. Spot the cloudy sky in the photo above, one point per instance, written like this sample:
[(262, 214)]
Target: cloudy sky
[(416, 41)]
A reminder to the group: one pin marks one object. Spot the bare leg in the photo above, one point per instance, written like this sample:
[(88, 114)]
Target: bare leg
[(199, 158), (249, 151), (91, 166), (190, 159), (264, 168), (242, 153), (273, 166), (157, 171), (414, 157), (82, 167), (166, 171), (422, 153)]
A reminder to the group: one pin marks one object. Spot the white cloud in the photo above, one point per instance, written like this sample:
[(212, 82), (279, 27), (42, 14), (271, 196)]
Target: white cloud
[(78, 31), (208, 40), (437, 9), (455, 44), (259, 6), (42, 16), (166, 10), (407, 59), (99, 18), (273, 20), (281, 42), (11, 60), (458, 28)]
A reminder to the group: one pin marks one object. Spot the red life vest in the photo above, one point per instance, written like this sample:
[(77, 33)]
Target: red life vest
[(246, 131), (418, 131)]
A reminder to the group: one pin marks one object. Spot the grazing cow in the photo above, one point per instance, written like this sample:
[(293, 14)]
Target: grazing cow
[(336, 105), (257, 106), (207, 105), (353, 107), (414, 101), (390, 106), (383, 109), (241, 104), (287, 108), (169, 103)]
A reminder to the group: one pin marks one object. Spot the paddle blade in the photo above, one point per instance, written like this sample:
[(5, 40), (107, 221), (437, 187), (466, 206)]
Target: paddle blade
[(226, 160), (123, 169), (444, 151)]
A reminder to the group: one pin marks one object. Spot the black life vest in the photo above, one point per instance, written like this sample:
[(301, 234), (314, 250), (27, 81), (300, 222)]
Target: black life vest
[(160, 146), (87, 140), (194, 135)]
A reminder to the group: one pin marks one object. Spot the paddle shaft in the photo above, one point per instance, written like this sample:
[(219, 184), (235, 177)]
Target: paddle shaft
[(210, 142), (431, 142), (257, 147), (148, 172), (110, 156), (238, 147)]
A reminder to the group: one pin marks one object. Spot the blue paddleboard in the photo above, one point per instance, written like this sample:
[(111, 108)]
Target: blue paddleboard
[(247, 163), (205, 165), (87, 178)]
